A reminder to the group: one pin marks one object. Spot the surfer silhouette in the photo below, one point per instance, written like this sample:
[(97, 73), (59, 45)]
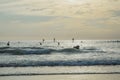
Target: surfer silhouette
[(8, 43), (54, 39), (40, 43), (76, 47), (43, 40), (73, 39), (58, 43)]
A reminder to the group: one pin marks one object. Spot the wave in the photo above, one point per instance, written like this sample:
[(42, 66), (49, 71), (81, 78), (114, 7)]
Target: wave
[(113, 41), (39, 50), (60, 63)]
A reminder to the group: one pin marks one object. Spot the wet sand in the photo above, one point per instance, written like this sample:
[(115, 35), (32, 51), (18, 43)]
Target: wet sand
[(61, 73), (65, 77)]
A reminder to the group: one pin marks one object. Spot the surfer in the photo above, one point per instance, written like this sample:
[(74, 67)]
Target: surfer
[(43, 40), (81, 41), (40, 43), (73, 39), (54, 39), (58, 43), (76, 47), (8, 43)]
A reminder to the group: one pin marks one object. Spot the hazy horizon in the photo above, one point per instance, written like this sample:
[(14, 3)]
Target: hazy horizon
[(60, 19)]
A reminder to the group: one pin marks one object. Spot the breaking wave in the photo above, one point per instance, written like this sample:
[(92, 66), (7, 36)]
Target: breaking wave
[(61, 63), (40, 51)]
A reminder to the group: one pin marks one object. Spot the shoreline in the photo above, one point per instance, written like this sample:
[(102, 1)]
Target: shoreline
[(65, 77), (46, 74), (52, 71)]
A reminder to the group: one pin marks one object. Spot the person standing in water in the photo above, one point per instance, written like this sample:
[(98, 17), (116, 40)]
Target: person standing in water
[(73, 39), (54, 39), (43, 40), (40, 43), (58, 43), (8, 43)]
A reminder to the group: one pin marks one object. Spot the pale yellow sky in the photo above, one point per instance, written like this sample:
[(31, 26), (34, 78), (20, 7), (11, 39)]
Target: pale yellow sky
[(63, 19)]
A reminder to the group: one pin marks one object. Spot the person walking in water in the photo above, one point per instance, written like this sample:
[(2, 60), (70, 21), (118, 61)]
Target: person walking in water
[(43, 40), (40, 43), (8, 43), (58, 43), (54, 39), (73, 39)]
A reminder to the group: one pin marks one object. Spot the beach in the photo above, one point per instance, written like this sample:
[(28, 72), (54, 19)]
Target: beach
[(65, 77), (61, 73)]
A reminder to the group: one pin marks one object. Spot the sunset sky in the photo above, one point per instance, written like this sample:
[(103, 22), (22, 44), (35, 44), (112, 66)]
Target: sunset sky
[(62, 19)]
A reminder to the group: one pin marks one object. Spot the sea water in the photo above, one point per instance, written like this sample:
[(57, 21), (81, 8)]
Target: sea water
[(51, 58)]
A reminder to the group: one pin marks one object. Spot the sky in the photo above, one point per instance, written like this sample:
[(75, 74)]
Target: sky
[(62, 19)]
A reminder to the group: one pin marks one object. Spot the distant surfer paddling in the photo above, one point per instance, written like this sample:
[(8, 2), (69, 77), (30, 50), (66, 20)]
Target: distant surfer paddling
[(76, 47)]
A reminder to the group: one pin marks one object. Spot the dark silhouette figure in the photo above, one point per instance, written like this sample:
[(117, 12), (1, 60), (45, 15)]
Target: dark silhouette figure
[(58, 43), (40, 43), (8, 43), (73, 39), (43, 40), (76, 47), (54, 39)]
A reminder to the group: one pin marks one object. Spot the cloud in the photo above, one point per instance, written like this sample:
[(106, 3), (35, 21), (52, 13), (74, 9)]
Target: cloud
[(7, 1), (5, 17), (38, 9), (78, 8), (61, 18), (116, 13)]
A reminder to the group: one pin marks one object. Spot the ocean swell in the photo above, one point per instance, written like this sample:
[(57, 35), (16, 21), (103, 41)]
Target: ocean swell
[(40, 51), (60, 63)]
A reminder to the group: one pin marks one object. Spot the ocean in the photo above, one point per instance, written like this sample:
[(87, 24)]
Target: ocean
[(59, 57)]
